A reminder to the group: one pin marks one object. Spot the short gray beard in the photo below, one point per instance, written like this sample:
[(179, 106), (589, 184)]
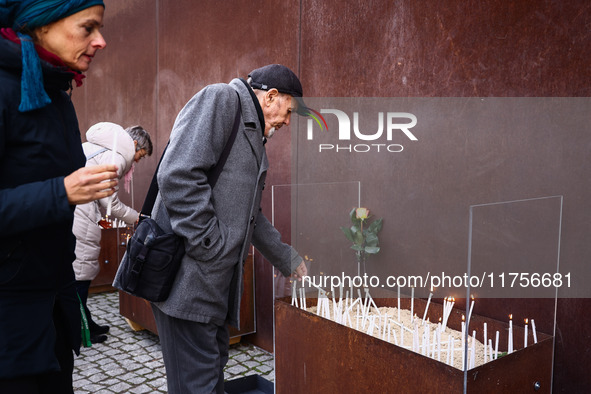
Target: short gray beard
[(271, 132)]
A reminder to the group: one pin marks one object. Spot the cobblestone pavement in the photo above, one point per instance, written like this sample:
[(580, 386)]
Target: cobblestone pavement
[(131, 361)]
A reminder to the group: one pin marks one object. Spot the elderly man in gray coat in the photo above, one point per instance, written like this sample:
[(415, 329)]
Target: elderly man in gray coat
[(218, 224)]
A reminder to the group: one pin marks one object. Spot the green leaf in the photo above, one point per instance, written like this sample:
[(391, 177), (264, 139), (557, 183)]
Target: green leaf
[(358, 237), (372, 249), (375, 226), (371, 239), (348, 233)]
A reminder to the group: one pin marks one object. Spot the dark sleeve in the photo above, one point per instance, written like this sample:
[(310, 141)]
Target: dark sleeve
[(31, 205)]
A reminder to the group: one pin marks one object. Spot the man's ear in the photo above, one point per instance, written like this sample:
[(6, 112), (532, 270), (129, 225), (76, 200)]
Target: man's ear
[(271, 95)]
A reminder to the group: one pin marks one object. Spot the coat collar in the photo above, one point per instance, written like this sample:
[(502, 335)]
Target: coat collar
[(252, 118)]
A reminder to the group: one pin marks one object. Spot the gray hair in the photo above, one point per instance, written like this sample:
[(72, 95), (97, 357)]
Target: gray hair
[(139, 134)]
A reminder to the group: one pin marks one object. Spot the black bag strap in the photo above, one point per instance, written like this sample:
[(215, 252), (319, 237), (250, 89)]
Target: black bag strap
[(212, 176)]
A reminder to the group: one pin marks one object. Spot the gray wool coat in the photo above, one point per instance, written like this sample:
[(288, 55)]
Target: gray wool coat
[(217, 225)]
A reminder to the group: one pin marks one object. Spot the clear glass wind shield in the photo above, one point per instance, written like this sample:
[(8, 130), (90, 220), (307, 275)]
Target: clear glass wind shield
[(320, 209), (513, 275)]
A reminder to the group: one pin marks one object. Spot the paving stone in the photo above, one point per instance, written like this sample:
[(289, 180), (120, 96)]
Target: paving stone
[(141, 389), (264, 369), (131, 361), (241, 357), (237, 370), (251, 364)]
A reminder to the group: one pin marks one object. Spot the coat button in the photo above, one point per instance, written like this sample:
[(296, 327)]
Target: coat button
[(252, 219), (207, 242)]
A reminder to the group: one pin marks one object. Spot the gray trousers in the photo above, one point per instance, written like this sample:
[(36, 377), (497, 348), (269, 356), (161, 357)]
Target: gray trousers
[(195, 354)]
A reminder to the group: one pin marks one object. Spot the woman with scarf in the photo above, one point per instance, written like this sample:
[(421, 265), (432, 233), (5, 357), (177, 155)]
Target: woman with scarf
[(45, 45), (106, 143)]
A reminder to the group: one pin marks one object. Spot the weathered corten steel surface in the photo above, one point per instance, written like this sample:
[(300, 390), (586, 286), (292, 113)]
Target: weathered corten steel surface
[(334, 358), (498, 48)]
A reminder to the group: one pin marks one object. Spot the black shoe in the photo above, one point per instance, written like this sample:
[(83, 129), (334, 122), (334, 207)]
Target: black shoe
[(96, 330), (98, 339)]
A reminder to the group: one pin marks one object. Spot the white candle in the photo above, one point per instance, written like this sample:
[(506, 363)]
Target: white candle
[(347, 300), (319, 303), (427, 307), (412, 303), (294, 300), (398, 303), (449, 350), (416, 341), (533, 330), (452, 350), (426, 341), (326, 306), (334, 306), (445, 313), (510, 344), (473, 361), (372, 302), (497, 346), (463, 348), (525, 335), (438, 332), (448, 305), (485, 342), (304, 297), (470, 311)]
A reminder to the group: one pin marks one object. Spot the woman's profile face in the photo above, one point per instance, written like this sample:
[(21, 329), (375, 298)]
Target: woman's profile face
[(74, 39)]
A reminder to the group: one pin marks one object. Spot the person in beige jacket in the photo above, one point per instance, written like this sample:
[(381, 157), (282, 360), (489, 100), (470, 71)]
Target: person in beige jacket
[(106, 143)]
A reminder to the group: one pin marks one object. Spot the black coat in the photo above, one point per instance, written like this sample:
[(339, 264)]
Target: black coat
[(37, 150)]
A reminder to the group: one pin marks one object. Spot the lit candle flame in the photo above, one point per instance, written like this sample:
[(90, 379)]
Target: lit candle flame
[(511, 316), (526, 320)]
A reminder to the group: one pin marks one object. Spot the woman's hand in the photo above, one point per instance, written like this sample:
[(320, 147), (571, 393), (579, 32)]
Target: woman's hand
[(91, 183)]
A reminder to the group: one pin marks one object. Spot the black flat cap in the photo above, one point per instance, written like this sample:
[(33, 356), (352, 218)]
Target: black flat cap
[(277, 76)]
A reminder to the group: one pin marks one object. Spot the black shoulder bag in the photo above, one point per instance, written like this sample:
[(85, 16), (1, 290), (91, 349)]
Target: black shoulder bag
[(153, 257)]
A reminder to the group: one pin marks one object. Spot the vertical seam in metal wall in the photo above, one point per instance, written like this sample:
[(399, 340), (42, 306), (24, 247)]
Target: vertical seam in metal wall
[(157, 88), (295, 179), (294, 149), (299, 54)]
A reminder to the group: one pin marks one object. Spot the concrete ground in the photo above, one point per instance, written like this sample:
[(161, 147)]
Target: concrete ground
[(131, 361)]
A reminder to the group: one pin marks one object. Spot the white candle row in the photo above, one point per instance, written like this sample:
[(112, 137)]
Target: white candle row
[(380, 325)]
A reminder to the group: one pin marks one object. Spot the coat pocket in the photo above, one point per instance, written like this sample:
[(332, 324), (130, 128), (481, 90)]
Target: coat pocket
[(212, 244), (12, 257)]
